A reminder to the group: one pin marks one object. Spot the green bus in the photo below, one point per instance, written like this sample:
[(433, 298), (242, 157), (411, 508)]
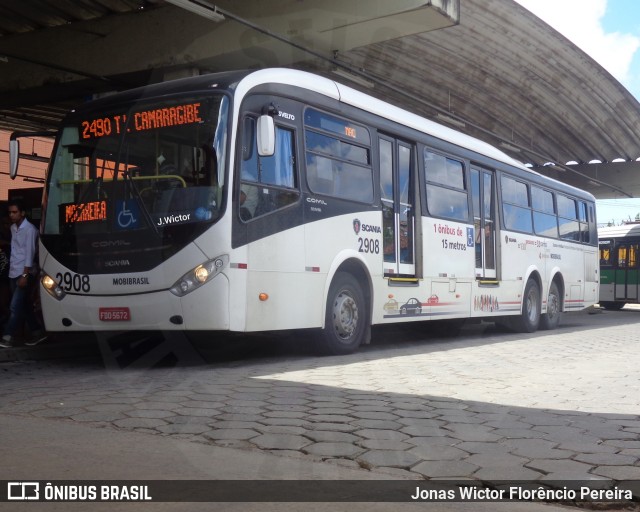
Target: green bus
[(619, 265)]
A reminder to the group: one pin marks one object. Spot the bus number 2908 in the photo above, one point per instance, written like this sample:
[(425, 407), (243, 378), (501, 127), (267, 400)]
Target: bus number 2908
[(73, 282), (369, 245)]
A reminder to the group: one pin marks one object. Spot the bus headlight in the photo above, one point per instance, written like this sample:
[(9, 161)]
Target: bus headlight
[(201, 274), (52, 288), (198, 276)]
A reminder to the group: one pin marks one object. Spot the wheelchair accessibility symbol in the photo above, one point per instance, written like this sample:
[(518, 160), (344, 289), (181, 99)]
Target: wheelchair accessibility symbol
[(470, 237), (127, 215)]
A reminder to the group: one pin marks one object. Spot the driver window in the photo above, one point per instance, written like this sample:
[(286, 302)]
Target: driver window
[(266, 183)]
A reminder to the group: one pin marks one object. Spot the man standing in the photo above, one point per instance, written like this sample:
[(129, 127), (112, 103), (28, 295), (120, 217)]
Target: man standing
[(22, 273)]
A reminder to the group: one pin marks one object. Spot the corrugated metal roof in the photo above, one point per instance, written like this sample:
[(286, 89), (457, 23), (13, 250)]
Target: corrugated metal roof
[(25, 16), (517, 83), (19, 17)]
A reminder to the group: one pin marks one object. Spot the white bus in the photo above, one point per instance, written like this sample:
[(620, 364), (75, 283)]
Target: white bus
[(277, 200), (619, 265)]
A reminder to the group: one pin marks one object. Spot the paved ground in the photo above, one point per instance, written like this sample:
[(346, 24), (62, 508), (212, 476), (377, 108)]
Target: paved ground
[(488, 404), (39, 449)]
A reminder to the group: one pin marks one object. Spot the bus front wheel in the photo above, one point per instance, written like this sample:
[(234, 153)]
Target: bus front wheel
[(551, 319), (346, 317), (529, 318)]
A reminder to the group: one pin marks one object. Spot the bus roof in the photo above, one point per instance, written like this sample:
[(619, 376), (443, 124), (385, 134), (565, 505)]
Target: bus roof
[(631, 229)]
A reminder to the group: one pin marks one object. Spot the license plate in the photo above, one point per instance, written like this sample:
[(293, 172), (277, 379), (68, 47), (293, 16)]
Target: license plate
[(114, 314)]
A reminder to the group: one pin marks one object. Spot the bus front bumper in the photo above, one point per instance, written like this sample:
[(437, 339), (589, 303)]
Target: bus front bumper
[(206, 308)]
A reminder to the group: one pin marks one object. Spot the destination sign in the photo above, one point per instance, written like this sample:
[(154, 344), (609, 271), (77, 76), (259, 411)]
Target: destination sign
[(152, 119), (84, 212)]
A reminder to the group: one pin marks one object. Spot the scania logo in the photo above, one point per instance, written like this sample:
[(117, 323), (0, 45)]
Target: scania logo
[(110, 243), (371, 229), (358, 226)]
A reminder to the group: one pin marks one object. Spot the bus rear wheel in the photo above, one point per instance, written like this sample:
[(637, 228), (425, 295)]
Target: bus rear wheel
[(529, 319), (346, 317), (551, 319)]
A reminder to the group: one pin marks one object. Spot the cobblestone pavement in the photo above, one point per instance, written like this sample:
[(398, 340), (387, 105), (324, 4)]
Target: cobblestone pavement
[(490, 405)]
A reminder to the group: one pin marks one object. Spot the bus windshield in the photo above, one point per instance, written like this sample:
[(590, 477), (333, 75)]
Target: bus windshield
[(147, 167)]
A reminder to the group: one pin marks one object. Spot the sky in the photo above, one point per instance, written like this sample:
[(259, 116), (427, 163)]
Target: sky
[(609, 31)]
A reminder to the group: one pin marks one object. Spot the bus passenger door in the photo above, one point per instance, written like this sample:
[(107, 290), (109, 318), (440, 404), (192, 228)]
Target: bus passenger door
[(483, 193), (607, 270), (632, 272), (626, 278), (398, 210)]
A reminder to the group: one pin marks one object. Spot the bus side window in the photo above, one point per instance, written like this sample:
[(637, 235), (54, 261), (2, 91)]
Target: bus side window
[(593, 227), (248, 138), (248, 199), (622, 256), (278, 170), (445, 185), (633, 256), (516, 206), (567, 218), (338, 157), (583, 217)]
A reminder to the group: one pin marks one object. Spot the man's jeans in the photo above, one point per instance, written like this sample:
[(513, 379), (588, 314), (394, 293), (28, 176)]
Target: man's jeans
[(21, 308)]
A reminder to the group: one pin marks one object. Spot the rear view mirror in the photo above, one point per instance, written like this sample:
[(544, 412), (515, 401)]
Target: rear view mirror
[(14, 150), (266, 136), (14, 156)]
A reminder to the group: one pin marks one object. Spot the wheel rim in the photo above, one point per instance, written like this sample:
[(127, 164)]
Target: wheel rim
[(345, 315), (532, 306)]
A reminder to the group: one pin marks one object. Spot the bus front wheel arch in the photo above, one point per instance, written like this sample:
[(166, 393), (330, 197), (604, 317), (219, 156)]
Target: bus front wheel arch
[(346, 319)]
